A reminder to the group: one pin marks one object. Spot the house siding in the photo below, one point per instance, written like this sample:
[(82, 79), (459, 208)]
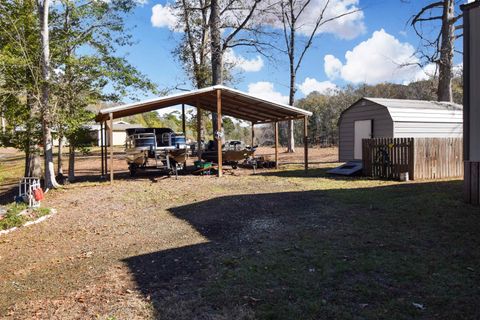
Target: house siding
[(474, 72), (471, 101), (362, 110), (119, 138)]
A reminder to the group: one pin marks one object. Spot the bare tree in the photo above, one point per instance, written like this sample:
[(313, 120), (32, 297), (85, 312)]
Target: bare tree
[(241, 14), (442, 43), (211, 28), (194, 50), (291, 11)]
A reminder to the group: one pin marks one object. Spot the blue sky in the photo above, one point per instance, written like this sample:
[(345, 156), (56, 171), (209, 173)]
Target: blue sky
[(382, 40)]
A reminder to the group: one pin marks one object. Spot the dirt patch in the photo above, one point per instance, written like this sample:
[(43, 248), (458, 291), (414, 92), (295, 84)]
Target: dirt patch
[(117, 300)]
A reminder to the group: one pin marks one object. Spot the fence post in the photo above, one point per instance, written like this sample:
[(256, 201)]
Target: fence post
[(411, 158)]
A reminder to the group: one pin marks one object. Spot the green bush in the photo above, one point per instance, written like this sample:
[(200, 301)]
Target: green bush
[(12, 219)]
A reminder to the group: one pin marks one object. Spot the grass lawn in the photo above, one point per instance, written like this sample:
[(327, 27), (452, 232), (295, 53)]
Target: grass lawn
[(276, 245), (11, 171)]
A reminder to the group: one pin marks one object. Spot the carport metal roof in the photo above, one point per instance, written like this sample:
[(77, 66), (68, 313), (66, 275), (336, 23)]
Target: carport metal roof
[(235, 103)]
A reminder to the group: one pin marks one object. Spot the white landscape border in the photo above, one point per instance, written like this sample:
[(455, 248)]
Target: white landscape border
[(29, 223)]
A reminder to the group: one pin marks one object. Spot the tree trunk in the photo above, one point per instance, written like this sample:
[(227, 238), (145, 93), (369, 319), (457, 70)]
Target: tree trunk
[(291, 128), (33, 164), (3, 123), (216, 48), (60, 155), (445, 74), (49, 170), (291, 97), (50, 180), (26, 172), (71, 163)]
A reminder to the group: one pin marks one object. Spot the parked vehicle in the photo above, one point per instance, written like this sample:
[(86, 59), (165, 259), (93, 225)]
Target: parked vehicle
[(159, 148), (194, 147), (233, 152)]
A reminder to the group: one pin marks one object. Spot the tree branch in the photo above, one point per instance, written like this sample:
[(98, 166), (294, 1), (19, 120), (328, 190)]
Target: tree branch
[(240, 27), (438, 4)]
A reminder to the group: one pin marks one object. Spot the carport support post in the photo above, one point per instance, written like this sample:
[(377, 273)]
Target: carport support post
[(276, 145), (199, 131), (305, 141), (110, 141), (184, 130), (101, 149), (105, 150), (219, 132), (253, 134), (183, 120)]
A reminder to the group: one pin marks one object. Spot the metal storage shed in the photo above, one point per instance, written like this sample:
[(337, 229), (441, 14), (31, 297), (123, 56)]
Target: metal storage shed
[(396, 118)]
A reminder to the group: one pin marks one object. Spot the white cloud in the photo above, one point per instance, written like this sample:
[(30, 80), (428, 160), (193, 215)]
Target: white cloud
[(458, 70), (431, 70), (164, 17), (139, 2), (310, 85), (242, 63), (379, 59), (332, 66), (348, 26), (266, 90), (427, 72)]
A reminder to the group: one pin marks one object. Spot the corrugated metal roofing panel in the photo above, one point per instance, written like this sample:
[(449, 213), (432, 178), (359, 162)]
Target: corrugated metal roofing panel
[(421, 111)]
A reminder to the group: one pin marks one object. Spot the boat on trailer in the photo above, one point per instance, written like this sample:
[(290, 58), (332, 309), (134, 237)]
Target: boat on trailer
[(155, 148), (233, 152)]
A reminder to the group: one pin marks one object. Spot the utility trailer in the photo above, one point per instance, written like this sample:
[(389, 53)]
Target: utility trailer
[(155, 148)]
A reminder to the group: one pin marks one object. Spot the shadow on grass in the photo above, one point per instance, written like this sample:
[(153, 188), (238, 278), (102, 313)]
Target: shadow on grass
[(311, 173), (346, 253), (8, 193)]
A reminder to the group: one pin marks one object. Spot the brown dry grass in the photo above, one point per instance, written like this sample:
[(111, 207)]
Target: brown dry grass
[(276, 245)]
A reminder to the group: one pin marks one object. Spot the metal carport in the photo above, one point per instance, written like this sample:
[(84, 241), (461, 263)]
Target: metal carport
[(220, 99)]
